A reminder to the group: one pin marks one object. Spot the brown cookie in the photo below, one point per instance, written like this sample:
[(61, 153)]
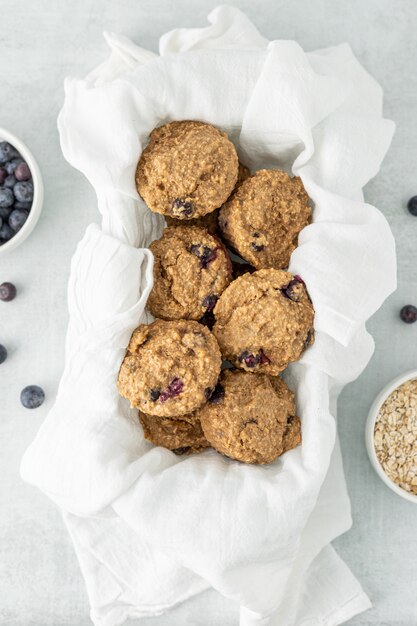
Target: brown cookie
[(247, 415), (182, 435), (191, 270), (170, 368), (188, 169), (264, 321), (210, 220), (263, 218)]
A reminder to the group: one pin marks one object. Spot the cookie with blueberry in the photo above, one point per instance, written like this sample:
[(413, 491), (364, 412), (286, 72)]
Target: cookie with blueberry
[(263, 218), (264, 321), (210, 220), (170, 368), (187, 170), (191, 270), (248, 418), (182, 434)]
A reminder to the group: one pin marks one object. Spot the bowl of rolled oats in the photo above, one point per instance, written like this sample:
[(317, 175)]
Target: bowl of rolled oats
[(391, 435)]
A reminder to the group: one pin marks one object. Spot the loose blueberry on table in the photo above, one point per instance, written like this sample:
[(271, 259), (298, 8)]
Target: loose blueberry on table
[(3, 354), (16, 192), (412, 205), (408, 314), (7, 292), (32, 397)]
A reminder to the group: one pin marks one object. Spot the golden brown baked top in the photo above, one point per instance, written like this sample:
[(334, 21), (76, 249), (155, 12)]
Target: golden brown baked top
[(264, 216), (246, 418), (188, 169), (264, 321), (191, 270), (170, 368)]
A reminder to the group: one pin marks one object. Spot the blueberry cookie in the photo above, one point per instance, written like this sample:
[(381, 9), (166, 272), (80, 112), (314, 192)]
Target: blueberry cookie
[(246, 417), (263, 218), (191, 270), (188, 169), (170, 368), (264, 321), (210, 220), (182, 435)]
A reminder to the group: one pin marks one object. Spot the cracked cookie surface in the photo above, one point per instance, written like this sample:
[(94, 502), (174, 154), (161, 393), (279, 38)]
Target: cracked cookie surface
[(247, 418), (264, 321), (182, 434), (187, 170), (170, 368), (191, 270), (263, 218)]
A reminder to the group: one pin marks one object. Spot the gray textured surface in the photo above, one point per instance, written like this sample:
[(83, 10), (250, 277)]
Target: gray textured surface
[(40, 43)]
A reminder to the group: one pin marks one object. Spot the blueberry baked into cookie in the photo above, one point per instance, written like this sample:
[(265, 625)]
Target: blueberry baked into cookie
[(248, 417), (264, 321), (188, 169), (263, 218), (191, 270), (170, 368)]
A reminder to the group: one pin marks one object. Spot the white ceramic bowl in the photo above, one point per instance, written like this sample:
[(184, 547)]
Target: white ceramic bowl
[(37, 203), (369, 433)]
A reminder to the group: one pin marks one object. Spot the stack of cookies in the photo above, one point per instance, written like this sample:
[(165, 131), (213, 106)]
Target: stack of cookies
[(205, 373)]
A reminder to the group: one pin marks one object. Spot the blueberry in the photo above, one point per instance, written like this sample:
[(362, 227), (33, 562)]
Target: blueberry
[(252, 360), (7, 152), (257, 247), (263, 358), (23, 205), (6, 198), (7, 292), (32, 397), (12, 165), (204, 253), (209, 302), (17, 218), (10, 181), (174, 389), (249, 359), (412, 205), (3, 175), (217, 394), (292, 290), (23, 191), (408, 314), (4, 213), (3, 354), (182, 207), (6, 233), (154, 394), (22, 171)]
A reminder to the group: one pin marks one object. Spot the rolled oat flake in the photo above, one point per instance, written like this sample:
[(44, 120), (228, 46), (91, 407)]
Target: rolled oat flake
[(395, 436)]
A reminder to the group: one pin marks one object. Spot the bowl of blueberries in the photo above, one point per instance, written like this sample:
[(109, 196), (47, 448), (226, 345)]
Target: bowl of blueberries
[(21, 191)]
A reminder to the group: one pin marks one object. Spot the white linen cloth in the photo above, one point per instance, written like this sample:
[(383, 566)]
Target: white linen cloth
[(151, 529)]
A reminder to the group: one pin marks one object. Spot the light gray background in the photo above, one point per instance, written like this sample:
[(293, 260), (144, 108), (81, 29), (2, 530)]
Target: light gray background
[(41, 42)]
